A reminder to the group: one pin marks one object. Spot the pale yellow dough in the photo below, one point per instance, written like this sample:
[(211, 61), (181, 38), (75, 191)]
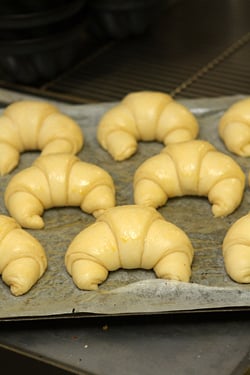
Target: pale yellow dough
[(145, 116), (35, 125), (129, 237), (22, 258), (55, 181), (236, 250), (190, 168), (234, 128)]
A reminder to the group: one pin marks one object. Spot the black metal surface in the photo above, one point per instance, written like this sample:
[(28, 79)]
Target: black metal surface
[(159, 345), (197, 48), (165, 59), (27, 364), (227, 74)]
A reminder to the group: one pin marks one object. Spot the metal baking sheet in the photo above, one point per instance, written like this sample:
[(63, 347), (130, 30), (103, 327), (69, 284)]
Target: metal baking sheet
[(131, 291)]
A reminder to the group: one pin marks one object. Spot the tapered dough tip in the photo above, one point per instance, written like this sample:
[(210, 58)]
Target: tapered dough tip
[(218, 211), (87, 275), (241, 276), (87, 285), (84, 283), (125, 154), (121, 145), (245, 151), (221, 210), (246, 276), (21, 274), (175, 266), (7, 165), (32, 222), (98, 213), (18, 289)]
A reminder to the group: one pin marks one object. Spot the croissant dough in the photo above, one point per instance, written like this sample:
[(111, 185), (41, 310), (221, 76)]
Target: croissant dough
[(56, 181), (236, 250), (145, 116), (129, 237), (234, 128), (190, 168), (22, 258), (35, 125)]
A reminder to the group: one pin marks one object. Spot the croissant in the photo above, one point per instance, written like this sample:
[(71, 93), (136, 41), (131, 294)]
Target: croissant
[(234, 128), (146, 116), (236, 250), (128, 237), (22, 258), (35, 125), (56, 181), (190, 168)]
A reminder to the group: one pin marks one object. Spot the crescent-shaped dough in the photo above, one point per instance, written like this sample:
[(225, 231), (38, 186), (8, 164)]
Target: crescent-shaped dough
[(236, 250), (190, 168), (35, 125), (234, 128), (22, 258), (145, 116), (129, 237), (56, 181)]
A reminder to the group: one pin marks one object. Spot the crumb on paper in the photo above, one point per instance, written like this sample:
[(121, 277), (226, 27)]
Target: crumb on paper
[(105, 327)]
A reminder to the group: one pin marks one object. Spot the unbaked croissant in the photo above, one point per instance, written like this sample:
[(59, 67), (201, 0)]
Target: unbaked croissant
[(190, 168), (55, 181), (22, 258), (145, 116), (35, 125), (234, 128), (128, 237), (236, 250)]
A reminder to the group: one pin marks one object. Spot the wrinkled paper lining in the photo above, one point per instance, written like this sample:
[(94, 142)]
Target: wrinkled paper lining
[(131, 291)]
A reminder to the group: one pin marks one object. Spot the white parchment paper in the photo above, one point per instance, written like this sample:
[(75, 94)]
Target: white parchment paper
[(131, 291)]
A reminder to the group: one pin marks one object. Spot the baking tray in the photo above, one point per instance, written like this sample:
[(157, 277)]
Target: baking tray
[(131, 291)]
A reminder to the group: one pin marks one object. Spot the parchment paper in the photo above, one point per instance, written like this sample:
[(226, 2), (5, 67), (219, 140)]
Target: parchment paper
[(131, 291)]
